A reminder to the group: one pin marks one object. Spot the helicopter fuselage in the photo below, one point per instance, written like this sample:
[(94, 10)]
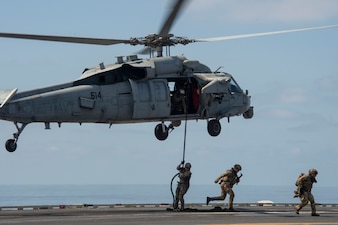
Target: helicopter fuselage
[(132, 91)]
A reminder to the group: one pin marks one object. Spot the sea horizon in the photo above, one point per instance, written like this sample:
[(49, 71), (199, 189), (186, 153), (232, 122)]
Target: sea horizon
[(75, 194)]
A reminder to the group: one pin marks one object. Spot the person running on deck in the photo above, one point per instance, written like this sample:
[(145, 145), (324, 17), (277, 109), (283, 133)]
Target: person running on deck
[(227, 181)]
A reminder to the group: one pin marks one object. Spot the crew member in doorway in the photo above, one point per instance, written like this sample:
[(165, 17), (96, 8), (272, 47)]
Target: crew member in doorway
[(227, 181), (195, 93), (183, 184), (178, 102), (304, 185)]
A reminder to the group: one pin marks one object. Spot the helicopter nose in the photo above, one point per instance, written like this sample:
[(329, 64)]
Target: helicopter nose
[(248, 114), (247, 99)]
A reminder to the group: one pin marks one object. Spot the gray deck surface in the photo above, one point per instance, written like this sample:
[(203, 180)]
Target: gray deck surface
[(159, 214)]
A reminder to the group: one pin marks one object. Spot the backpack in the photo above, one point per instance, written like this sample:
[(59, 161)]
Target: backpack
[(298, 179)]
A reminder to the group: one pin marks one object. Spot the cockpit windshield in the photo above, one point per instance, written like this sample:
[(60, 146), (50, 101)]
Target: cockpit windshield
[(234, 86)]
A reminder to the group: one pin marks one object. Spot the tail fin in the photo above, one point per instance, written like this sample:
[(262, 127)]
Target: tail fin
[(6, 95)]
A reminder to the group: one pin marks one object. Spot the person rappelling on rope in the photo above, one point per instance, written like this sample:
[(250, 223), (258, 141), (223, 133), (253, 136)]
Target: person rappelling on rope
[(182, 185), (184, 169)]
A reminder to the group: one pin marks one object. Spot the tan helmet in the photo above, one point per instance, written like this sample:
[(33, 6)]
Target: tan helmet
[(188, 165), (237, 167), (313, 171)]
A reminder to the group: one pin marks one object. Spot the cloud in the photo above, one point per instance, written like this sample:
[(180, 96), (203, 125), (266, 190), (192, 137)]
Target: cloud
[(295, 96), (328, 83), (269, 11), (295, 151), (281, 114)]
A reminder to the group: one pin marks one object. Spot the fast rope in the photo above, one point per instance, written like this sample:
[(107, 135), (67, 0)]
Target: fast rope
[(186, 116), (184, 138), (185, 133)]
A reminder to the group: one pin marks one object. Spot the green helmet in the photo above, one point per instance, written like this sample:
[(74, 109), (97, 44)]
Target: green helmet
[(313, 171), (237, 167)]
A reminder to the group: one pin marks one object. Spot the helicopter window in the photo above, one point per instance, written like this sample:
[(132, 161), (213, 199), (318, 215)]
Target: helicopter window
[(134, 73), (171, 86), (234, 87), (104, 78)]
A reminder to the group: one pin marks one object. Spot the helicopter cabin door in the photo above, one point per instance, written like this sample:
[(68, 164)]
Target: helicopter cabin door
[(151, 99)]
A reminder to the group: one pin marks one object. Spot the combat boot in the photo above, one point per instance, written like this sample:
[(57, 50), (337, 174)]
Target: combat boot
[(313, 210), (182, 206), (175, 205), (208, 200), (297, 208)]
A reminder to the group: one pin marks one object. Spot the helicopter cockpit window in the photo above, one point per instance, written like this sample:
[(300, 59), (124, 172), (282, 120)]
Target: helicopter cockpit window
[(234, 88)]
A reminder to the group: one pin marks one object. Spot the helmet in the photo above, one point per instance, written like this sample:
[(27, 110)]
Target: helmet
[(237, 167), (188, 165), (313, 171)]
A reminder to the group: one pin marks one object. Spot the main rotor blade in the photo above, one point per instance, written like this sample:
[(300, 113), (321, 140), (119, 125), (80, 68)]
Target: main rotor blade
[(171, 17), (79, 40), (224, 38)]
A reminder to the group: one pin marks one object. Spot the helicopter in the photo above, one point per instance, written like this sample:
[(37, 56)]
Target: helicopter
[(164, 89)]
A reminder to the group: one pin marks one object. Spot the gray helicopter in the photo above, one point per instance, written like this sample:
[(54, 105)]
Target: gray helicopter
[(165, 89)]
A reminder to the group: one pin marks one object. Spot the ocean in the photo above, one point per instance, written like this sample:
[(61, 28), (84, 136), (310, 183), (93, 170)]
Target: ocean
[(30, 195)]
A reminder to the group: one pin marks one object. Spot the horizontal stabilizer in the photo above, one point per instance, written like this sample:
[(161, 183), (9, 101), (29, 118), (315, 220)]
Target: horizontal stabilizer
[(6, 95)]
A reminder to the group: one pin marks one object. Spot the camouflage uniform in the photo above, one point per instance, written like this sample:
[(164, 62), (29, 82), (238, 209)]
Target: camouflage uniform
[(183, 184), (227, 181), (304, 184), (297, 192)]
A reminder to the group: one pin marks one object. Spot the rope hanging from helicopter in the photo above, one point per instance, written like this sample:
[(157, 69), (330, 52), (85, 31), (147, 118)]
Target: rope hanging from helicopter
[(186, 100), (186, 105)]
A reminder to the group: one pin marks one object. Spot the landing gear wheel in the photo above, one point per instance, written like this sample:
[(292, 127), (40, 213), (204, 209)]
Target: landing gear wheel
[(161, 132), (11, 145), (214, 127)]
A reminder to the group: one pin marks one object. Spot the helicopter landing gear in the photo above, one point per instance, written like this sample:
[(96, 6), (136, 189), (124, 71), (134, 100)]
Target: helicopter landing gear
[(249, 113), (214, 127), (11, 143), (161, 131)]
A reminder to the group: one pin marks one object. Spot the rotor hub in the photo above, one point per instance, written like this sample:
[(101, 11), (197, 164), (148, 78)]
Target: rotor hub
[(158, 40)]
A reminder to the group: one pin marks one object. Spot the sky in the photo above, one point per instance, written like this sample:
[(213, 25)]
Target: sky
[(292, 78)]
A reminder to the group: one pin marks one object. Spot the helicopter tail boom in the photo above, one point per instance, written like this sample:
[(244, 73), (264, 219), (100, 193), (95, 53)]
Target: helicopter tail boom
[(6, 95)]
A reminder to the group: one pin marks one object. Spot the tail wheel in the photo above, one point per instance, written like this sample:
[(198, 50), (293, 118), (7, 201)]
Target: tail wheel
[(214, 127), (161, 132)]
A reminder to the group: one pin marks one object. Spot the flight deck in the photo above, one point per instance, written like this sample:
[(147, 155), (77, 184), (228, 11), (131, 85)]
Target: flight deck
[(163, 214)]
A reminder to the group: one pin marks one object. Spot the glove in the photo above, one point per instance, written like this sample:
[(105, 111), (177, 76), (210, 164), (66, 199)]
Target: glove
[(182, 162)]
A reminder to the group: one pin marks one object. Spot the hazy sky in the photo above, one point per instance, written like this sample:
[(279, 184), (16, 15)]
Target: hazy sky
[(292, 78)]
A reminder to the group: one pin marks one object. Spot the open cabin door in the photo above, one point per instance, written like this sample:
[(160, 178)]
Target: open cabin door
[(151, 99)]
